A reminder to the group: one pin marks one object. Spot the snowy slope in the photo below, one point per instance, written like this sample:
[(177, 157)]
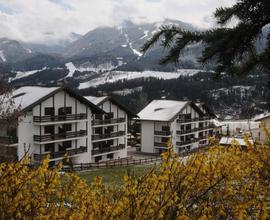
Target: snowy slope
[(115, 76)]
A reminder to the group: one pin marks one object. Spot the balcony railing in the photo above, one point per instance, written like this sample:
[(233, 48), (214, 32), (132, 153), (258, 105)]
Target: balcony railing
[(162, 133), (185, 120), (160, 144), (8, 140), (58, 118), (66, 135), (108, 121), (187, 131), (60, 154), (107, 149), (180, 143), (109, 135)]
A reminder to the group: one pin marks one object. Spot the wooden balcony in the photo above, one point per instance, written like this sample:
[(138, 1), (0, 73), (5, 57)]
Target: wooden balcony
[(59, 118), (59, 154), (108, 135), (5, 140), (66, 135), (107, 149), (108, 121), (162, 133)]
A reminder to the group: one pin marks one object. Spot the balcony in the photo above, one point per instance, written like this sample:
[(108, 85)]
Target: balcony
[(161, 144), (181, 143), (59, 154), (186, 120), (187, 131), (59, 118), (6, 140), (108, 121), (107, 149), (54, 137), (109, 135), (162, 133)]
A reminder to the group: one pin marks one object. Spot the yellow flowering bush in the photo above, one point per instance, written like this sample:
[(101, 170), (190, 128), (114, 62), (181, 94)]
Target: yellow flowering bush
[(220, 183)]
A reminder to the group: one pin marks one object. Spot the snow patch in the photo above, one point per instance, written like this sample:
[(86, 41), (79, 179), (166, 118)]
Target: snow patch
[(23, 74), (145, 34), (2, 56), (116, 76), (125, 92)]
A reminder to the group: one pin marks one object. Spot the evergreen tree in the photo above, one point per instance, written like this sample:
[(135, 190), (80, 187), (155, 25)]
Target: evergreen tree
[(232, 48)]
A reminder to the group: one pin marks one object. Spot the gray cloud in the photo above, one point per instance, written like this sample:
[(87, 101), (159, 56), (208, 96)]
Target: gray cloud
[(53, 20)]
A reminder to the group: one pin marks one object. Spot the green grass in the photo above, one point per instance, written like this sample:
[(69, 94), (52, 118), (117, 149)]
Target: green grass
[(114, 176)]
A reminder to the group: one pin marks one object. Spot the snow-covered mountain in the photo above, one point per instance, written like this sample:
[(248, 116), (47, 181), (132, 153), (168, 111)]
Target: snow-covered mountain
[(12, 51)]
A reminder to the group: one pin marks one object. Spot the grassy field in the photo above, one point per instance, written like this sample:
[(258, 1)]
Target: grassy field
[(115, 175)]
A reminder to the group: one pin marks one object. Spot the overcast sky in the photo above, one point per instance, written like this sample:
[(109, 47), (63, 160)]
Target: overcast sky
[(52, 20)]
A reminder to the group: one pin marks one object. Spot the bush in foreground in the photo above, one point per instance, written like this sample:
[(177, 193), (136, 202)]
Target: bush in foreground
[(221, 183)]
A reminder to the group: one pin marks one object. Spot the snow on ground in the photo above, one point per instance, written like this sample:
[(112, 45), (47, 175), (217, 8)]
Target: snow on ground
[(243, 125), (104, 67), (22, 74), (128, 91), (115, 76), (2, 56), (145, 34), (136, 52)]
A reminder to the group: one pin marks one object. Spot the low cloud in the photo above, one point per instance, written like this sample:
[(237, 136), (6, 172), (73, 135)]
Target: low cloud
[(48, 21)]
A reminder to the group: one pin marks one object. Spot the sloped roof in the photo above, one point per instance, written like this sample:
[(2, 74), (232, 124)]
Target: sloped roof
[(263, 116), (230, 140), (28, 97), (100, 100), (162, 110), (208, 111), (96, 100)]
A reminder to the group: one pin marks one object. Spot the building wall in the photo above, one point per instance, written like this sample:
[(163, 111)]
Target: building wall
[(27, 128), (147, 136), (262, 135)]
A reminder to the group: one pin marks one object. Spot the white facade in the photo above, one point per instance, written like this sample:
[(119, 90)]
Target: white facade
[(187, 127), (59, 122), (109, 133)]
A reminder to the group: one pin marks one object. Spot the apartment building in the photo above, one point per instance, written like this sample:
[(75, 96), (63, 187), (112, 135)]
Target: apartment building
[(261, 135), (55, 121), (109, 131), (187, 124)]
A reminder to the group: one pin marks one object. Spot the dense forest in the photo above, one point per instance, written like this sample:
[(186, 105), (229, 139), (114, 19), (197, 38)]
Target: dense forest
[(228, 96)]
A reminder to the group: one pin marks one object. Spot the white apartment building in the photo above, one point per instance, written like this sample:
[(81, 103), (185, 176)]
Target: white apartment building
[(109, 131), (55, 121), (187, 125)]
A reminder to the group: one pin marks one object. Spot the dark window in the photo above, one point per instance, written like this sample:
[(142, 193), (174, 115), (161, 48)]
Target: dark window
[(51, 164), (49, 147), (110, 142), (97, 159), (67, 127), (98, 130), (165, 128), (109, 129), (182, 127), (98, 116), (109, 115), (49, 129), (110, 156), (49, 111), (65, 111), (67, 144), (164, 140)]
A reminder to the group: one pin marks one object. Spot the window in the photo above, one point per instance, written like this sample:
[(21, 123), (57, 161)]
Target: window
[(98, 116), (67, 144), (67, 127), (110, 142), (110, 156), (65, 111), (98, 130), (109, 129), (97, 159), (109, 115), (49, 111), (164, 140), (49, 147), (49, 129), (165, 128)]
